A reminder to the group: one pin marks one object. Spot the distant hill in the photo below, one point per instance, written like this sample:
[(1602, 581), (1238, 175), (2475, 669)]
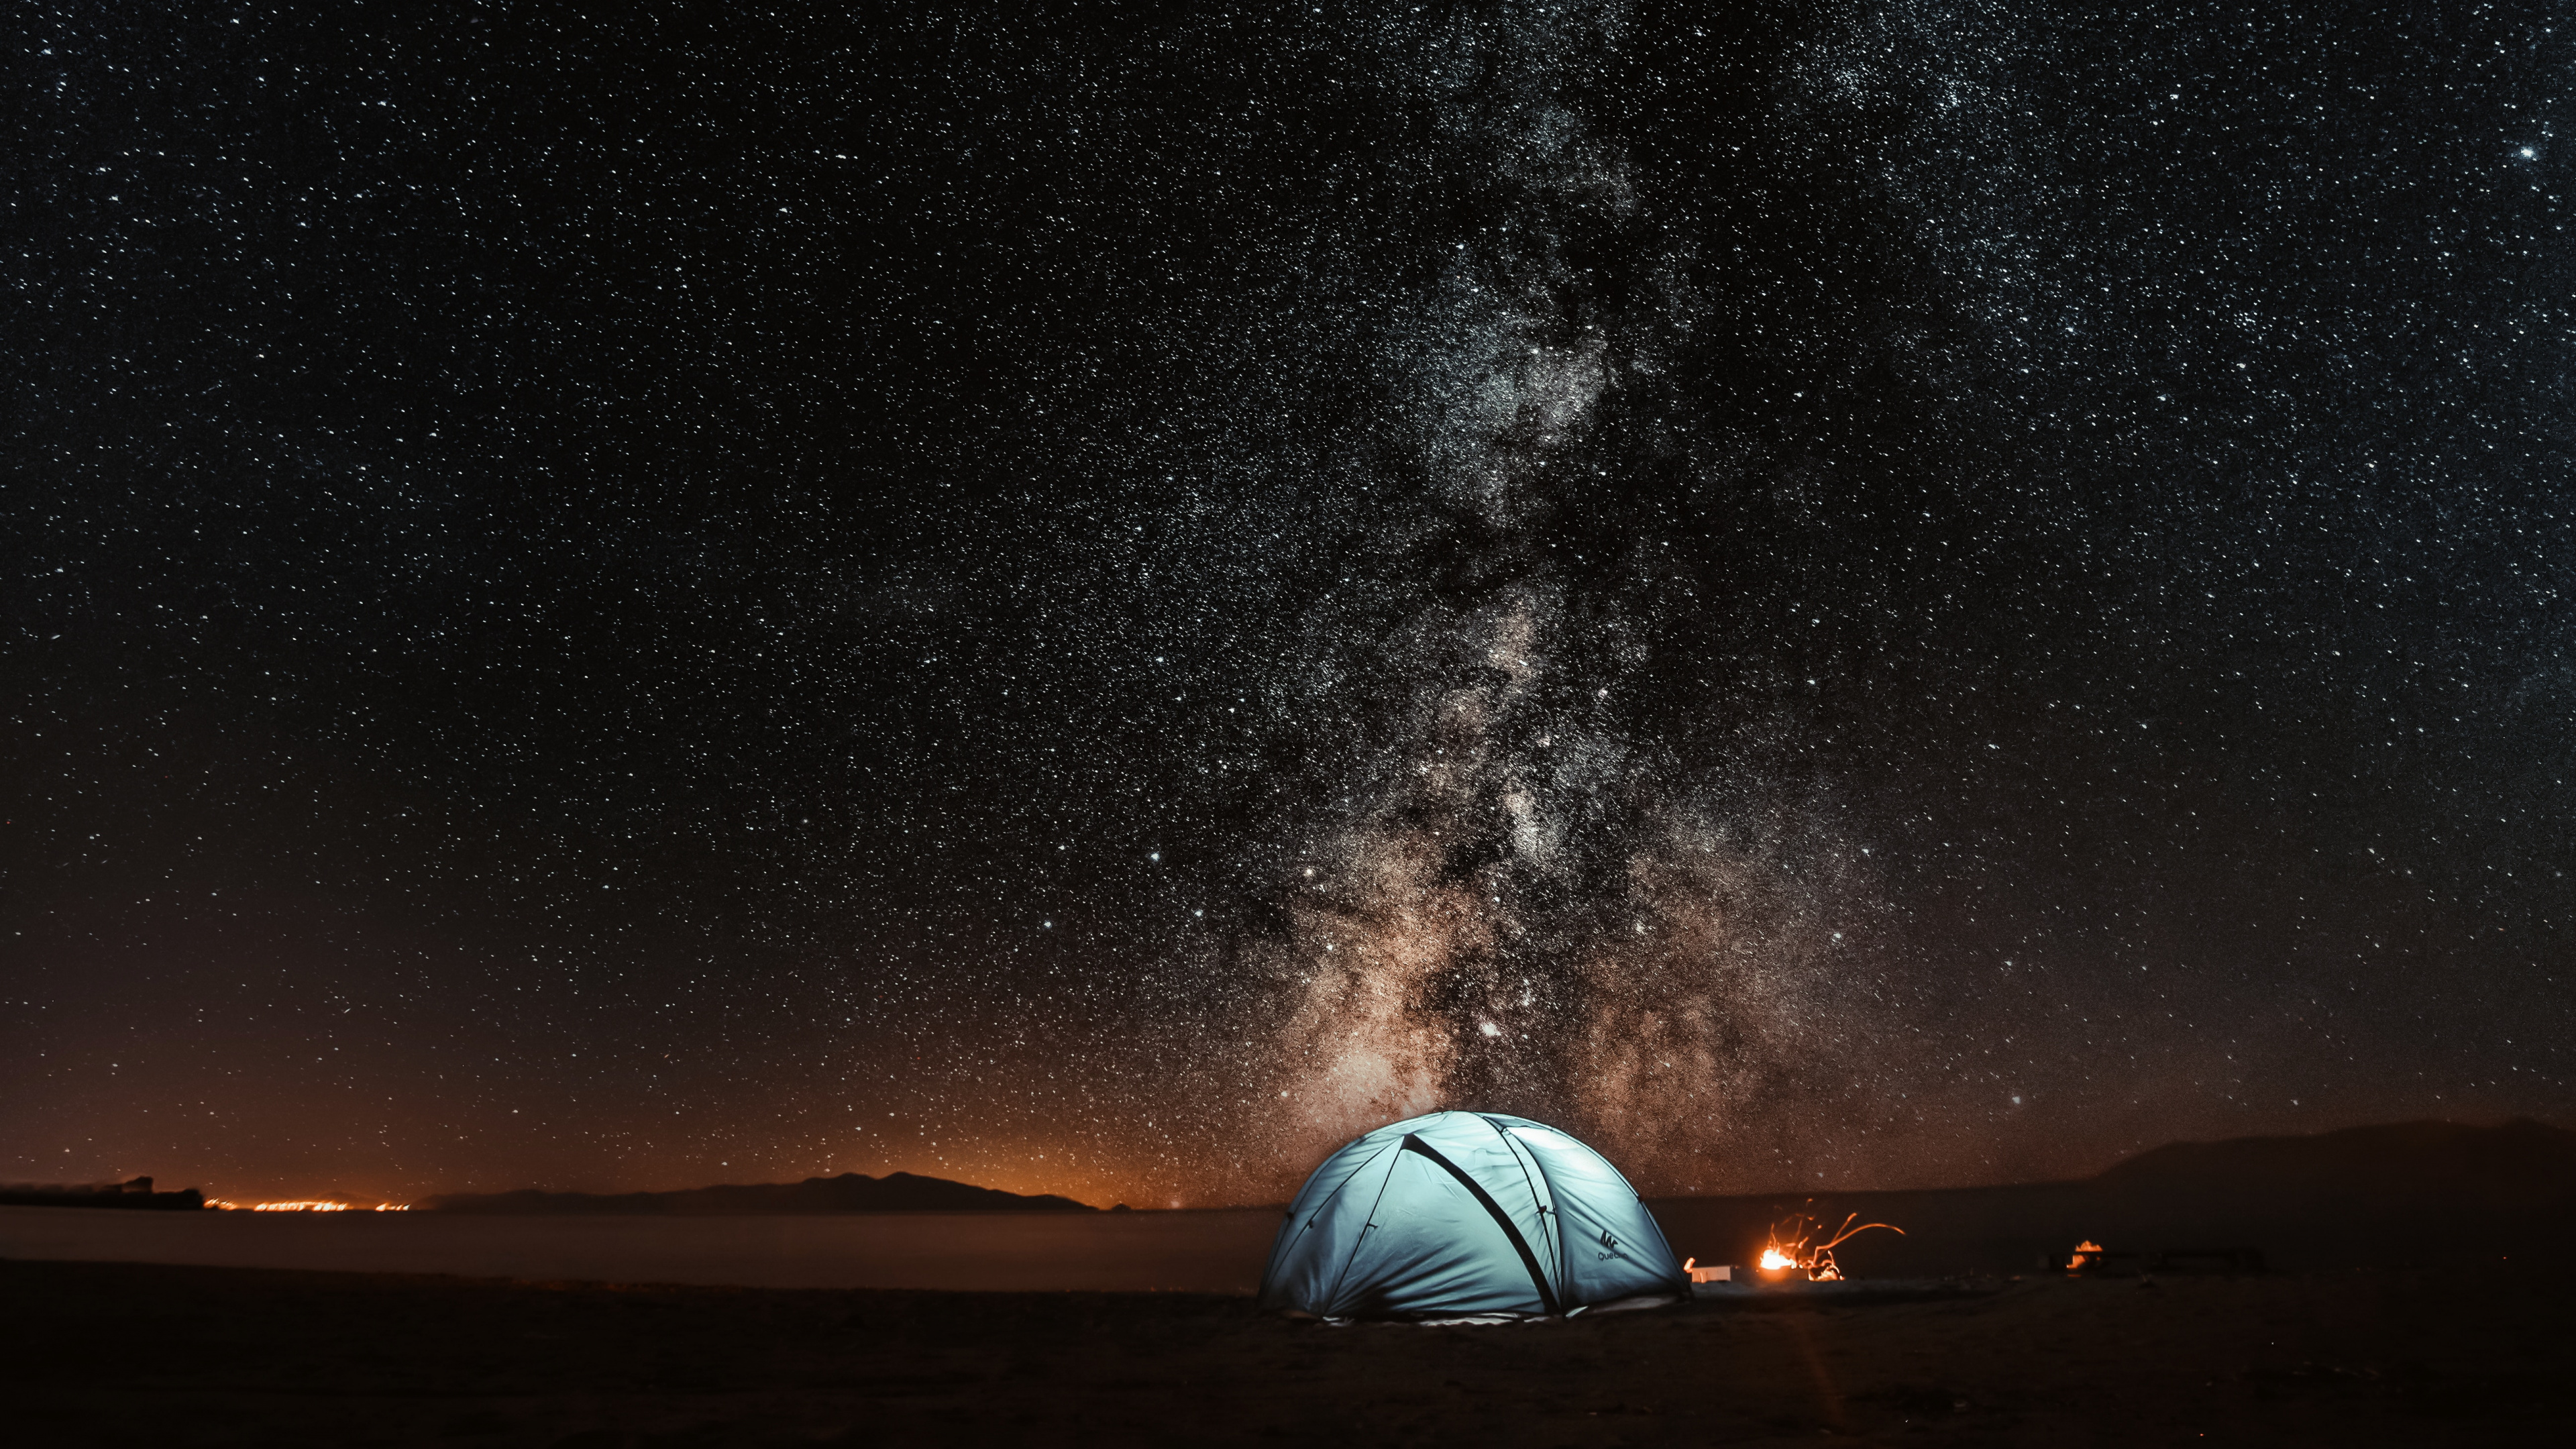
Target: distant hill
[(2516, 1165), (136, 1193), (2406, 1193), (851, 1192)]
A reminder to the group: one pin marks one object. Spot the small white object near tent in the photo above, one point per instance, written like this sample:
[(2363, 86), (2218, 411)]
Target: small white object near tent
[(1460, 1214)]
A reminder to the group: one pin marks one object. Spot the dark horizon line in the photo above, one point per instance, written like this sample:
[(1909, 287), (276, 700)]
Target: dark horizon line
[(2495, 1126)]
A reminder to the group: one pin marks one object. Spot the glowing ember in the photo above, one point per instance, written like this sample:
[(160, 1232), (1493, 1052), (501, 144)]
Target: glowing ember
[(306, 1205), (1787, 1252)]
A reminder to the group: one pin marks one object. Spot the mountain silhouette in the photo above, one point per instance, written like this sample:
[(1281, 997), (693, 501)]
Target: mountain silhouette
[(851, 1192), (2410, 1193), (2515, 1165)]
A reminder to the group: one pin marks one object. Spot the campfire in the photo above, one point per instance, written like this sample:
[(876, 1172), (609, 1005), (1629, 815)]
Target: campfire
[(1793, 1249), (305, 1205)]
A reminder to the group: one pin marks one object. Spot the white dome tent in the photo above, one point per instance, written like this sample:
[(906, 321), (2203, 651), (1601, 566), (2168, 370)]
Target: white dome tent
[(1460, 1214)]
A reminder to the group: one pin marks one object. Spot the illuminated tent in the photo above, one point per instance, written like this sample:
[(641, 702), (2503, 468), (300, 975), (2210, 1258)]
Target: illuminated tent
[(1466, 1213)]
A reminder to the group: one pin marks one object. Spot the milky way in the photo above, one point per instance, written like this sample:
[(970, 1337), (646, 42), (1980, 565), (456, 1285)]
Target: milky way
[(1095, 598), (1517, 903)]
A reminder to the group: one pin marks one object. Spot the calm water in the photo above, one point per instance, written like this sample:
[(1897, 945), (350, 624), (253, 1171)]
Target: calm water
[(1205, 1252)]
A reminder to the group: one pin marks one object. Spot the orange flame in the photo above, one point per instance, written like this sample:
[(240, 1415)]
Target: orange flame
[(306, 1205), (2084, 1253), (1817, 1261)]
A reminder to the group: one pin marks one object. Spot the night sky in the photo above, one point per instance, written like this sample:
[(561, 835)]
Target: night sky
[(1096, 598)]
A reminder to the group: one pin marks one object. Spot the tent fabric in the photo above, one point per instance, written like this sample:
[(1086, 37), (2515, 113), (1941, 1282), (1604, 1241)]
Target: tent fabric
[(1460, 1213)]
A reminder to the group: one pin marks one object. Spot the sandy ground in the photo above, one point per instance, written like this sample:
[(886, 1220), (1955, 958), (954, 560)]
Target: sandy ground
[(247, 1356)]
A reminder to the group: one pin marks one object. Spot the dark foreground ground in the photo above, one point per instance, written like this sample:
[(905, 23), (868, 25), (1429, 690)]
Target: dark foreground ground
[(148, 1353)]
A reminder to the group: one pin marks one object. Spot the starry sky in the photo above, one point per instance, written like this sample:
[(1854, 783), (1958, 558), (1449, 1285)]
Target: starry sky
[(1098, 597)]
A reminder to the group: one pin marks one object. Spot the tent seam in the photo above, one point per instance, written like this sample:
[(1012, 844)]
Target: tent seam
[(1345, 1182), (1547, 1298), (1288, 1241), (1564, 1258), (1547, 1209), (1367, 1224)]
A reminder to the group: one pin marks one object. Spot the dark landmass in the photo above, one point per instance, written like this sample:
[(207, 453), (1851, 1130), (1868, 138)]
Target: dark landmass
[(2413, 1193), (2431, 1192), (219, 1356), (130, 1195), (2419, 1276), (2518, 1164), (851, 1192)]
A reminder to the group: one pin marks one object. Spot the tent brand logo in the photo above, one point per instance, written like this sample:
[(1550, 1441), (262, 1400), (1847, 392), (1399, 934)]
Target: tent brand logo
[(1608, 1241), (1609, 1248)]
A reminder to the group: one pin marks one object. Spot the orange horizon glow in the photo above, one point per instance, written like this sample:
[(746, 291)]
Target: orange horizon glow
[(306, 1205)]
